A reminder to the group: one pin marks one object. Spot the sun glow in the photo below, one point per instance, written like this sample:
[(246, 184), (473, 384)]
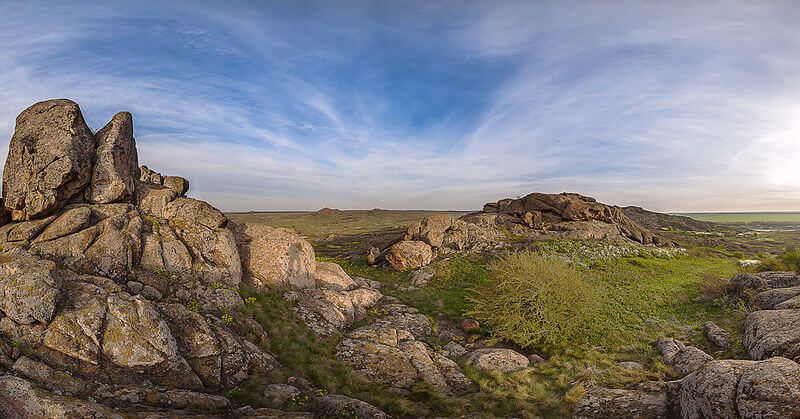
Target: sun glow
[(781, 154)]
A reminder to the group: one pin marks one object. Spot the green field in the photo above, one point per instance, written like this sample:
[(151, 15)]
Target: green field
[(746, 217)]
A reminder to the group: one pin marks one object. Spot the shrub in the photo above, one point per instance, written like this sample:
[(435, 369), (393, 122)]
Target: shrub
[(533, 299), (786, 261), (791, 259)]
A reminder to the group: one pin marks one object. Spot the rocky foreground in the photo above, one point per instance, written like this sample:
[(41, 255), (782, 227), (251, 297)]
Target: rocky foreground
[(120, 297), (766, 386)]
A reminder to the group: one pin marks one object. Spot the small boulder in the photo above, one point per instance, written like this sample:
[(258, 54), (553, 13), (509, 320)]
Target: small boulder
[(497, 359), (470, 325), (331, 275), (342, 406), (176, 183), (718, 336), (407, 255), (685, 359), (420, 277)]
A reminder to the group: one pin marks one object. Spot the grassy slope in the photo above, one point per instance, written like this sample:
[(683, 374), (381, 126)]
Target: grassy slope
[(646, 298)]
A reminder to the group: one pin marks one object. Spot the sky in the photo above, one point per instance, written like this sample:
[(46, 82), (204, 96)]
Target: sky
[(297, 105)]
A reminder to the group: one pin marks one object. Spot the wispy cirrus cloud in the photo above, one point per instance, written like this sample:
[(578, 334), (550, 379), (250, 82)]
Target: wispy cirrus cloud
[(361, 104)]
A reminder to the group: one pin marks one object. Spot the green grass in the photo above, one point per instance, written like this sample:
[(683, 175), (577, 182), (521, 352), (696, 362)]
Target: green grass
[(644, 298), (747, 217), (304, 354)]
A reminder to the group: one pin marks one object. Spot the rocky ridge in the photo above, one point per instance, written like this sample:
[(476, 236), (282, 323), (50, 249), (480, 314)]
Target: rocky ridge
[(119, 294), (536, 216)]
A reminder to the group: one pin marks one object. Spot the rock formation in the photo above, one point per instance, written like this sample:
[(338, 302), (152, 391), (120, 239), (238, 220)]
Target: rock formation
[(537, 216), (123, 291), (565, 215)]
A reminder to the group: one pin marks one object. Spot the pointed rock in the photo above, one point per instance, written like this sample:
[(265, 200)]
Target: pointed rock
[(117, 163)]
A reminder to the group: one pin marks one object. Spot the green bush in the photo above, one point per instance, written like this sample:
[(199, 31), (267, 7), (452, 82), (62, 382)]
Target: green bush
[(535, 300), (786, 261), (791, 259)]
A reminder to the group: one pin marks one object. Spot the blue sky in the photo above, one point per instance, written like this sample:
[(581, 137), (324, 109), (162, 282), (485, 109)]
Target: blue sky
[(277, 105)]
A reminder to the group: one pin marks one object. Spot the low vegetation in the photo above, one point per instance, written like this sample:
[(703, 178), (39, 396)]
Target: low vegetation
[(624, 298), (535, 300)]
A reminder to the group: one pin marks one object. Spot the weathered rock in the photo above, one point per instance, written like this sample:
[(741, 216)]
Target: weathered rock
[(279, 395), (136, 335), (405, 318), (49, 159), (150, 176), (454, 350), (76, 330), (193, 211), (685, 359), (407, 255), (327, 311), (732, 388), (196, 341), (71, 221), (746, 285), (470, 325), (497, 359), (769, 299), (372, 255), (431, 229), (28, 230), (420, 277), (392, 356), (176, 183), (274, 257), (116, 164), (29, 287), (153, 199), (792, 303), (771, 333), (718, 336), (21, 399), (343, 406), (769, 389), (602, 403), (331, 275), (51, 379), (580, 215)]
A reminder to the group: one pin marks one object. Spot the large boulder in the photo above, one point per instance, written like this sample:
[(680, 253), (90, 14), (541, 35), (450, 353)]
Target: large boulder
[(771, 333), (116, 164), (732, 388), (274, 257), (408, 255), (49, 160)]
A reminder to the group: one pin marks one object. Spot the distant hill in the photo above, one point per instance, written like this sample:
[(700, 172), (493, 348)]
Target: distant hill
[(329, 212), (660, 221)]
